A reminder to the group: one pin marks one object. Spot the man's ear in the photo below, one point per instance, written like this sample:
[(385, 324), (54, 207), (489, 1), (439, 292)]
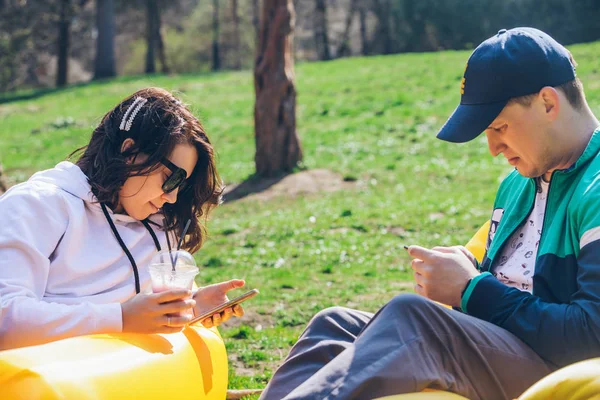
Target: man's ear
[(128, 143), (551, 101)]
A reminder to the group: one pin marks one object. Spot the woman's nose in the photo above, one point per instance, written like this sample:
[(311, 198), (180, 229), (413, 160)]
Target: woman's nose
[(171, 197)]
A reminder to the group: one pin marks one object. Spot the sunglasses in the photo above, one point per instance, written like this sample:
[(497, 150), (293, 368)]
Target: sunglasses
[(177, 179)]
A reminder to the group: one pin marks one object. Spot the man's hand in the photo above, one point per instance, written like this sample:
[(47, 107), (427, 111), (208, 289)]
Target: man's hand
[(157, 312), (214, 295), (442, 273)]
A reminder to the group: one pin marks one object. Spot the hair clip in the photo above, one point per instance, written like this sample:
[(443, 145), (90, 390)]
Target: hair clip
[(131, 112)]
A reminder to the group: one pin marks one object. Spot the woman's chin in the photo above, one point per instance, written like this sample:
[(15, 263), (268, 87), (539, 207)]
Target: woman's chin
[(139, 214), (143, 213)]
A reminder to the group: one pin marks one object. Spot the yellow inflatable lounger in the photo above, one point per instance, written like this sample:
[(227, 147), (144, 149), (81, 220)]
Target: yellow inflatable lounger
[(579, 381), (191, 364)]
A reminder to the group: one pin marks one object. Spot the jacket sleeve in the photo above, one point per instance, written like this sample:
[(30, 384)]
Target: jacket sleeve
[(559, 333), (33, 223)]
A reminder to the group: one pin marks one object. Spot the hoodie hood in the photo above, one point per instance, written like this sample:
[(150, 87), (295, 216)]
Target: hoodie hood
[(71, 179)]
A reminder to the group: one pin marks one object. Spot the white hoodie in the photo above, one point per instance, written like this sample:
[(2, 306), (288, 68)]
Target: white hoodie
[(62, 271)]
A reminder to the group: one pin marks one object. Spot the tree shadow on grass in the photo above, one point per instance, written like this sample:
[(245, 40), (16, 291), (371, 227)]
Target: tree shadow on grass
[(31, 94), (289, 185), (254, 184)]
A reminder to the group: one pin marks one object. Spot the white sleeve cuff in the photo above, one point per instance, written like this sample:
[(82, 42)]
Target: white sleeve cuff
[(109, 318)]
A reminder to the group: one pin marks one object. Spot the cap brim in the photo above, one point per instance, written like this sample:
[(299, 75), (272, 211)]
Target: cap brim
[(469, 120)]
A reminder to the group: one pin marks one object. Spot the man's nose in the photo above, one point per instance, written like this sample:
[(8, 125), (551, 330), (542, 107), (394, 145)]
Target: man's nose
[(494, 144)]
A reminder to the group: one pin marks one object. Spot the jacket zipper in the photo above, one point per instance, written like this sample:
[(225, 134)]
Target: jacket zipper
[(543, 228)]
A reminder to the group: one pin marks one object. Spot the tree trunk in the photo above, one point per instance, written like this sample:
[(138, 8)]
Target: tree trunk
[(256, 19), (3, 185), (105, 42), (237, 63), (216, 57), (321, 40), (277, 143), (417, 27), (382, 10), (151, 11), (364, 46), (64, 33), (160, 44), (344, 46), (31, 64)]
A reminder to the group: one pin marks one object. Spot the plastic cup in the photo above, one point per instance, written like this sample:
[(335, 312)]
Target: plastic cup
[(164, 277)]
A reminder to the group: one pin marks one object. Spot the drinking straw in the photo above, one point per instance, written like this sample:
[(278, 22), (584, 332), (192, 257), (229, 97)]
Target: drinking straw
[(187, 225), (169, 244)]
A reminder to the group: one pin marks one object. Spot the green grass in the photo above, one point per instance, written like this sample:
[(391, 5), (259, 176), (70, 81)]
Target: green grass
[(372, 120)]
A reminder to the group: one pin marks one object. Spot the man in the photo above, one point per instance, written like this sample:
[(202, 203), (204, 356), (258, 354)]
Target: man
[(533, 305)]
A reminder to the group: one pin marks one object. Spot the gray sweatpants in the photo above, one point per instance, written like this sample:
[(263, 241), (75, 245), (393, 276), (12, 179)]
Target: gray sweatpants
[(411, 344)]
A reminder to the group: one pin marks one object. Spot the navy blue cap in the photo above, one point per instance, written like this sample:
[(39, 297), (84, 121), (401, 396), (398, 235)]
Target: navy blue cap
[(512, 63)]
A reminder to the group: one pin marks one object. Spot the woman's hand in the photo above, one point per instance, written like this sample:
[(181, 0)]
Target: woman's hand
[(157, 312), (214, 295)]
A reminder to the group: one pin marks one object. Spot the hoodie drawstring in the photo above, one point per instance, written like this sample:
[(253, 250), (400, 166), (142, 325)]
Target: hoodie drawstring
[(125, 249)]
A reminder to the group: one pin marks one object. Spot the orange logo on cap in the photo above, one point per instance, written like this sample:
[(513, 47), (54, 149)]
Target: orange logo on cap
[(462, 81)]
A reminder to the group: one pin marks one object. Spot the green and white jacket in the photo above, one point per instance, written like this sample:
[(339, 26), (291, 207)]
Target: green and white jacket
[(560, 320)]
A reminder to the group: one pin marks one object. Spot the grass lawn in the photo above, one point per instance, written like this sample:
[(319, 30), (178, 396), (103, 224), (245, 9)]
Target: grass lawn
[(371, 120)]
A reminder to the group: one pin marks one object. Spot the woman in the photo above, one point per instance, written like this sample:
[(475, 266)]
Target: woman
[(76, 240)]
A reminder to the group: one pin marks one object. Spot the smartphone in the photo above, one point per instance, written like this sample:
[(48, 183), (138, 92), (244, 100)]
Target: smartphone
[(248, 295)]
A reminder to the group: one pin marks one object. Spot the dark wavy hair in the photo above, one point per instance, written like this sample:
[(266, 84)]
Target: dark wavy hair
[(161, 124)]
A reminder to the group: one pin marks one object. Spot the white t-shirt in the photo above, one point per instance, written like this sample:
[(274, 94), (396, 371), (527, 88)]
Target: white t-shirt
[(516, 265)]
